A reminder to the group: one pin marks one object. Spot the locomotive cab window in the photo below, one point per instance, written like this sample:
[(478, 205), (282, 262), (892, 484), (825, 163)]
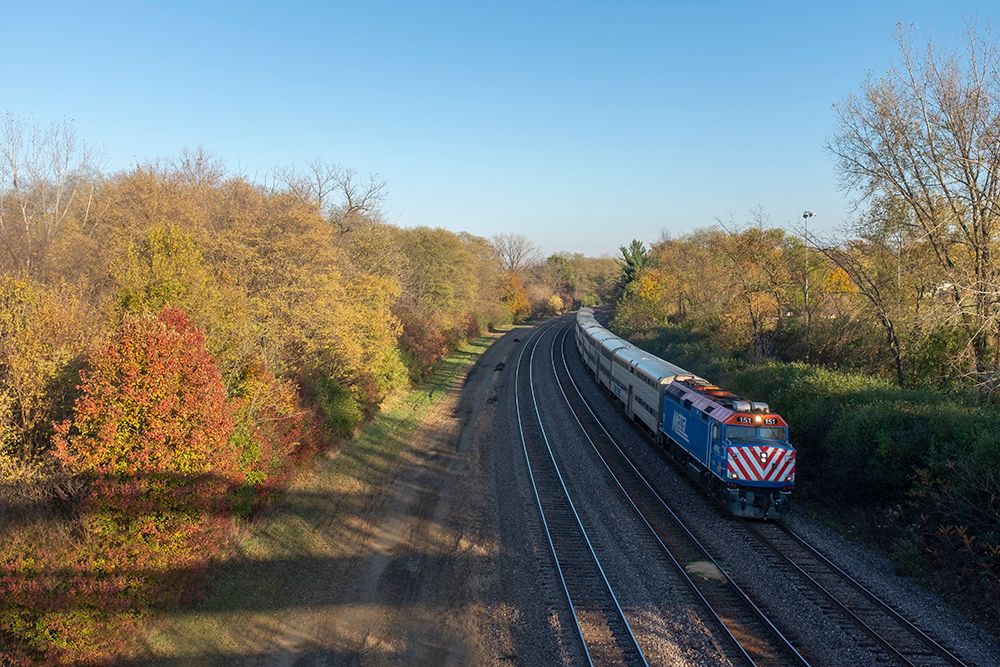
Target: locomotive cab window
[(751, 432), (772, 432), (740, 432)]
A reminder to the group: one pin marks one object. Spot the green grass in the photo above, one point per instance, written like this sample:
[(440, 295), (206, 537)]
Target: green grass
[(277, 568)]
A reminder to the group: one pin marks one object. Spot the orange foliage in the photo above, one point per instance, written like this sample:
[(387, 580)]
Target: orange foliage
[(150, 435)]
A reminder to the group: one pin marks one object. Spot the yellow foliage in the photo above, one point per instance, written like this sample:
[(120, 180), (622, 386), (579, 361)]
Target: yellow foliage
[(43, 333), (837, 281)]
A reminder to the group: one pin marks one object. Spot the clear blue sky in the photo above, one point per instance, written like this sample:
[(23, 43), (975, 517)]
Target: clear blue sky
[(581, 125)]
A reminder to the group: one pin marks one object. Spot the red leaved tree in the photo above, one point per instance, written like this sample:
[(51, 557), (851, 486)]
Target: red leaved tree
[(152, 403), (150, 435)]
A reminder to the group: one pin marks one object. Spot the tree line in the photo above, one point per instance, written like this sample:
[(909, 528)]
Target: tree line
[(174, 339)]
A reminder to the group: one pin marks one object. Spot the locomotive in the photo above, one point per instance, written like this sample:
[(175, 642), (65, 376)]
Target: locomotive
[(737, 448)]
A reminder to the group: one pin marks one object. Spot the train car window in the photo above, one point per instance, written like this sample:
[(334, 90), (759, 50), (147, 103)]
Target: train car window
[(772, 433)]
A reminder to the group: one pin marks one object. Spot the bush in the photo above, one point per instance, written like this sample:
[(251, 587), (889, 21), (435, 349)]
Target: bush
[(425, 344), (152, 402), (341, 410), (150, 436), (271, 431), (44, 332)]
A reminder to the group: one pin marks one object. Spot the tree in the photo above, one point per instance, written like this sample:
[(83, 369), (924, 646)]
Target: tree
[(152, 401), (755, 268), (634, 259), (43, 332), (45, 172), (199, 167), (516, 251), (515, 298), (928, 134), (336, 192)]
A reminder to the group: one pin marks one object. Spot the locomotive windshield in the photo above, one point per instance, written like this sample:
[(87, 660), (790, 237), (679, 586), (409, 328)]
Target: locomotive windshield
[(772, 433), (754, 433)]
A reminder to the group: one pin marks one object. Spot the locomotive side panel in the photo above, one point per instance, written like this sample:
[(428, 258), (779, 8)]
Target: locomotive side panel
[(687, 429)]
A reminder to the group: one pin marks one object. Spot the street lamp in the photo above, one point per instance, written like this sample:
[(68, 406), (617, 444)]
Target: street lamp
[(805, 292)]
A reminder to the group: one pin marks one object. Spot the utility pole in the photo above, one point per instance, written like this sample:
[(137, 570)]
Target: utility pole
[(805, 291)]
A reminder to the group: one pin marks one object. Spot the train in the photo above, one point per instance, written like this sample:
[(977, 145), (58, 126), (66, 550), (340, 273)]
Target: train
[(737, 448)]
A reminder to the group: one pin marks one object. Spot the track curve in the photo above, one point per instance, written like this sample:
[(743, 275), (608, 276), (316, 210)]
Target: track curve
[(602, 627), (756, 639)]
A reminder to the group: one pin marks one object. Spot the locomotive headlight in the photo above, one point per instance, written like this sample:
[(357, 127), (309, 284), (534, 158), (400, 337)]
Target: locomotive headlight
[(758, 419), (763, 458), (789, 478)]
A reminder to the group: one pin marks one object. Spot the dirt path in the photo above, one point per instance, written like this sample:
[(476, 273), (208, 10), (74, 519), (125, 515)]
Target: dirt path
[(421, 591)]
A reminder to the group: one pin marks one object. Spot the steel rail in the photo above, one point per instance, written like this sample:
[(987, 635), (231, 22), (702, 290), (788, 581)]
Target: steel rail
[(880, 604), (535, 337)]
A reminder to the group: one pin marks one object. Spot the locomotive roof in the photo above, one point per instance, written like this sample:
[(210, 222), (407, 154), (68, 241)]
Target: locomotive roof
[(704, 394)]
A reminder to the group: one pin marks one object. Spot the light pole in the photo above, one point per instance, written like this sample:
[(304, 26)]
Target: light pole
[(805, 291)]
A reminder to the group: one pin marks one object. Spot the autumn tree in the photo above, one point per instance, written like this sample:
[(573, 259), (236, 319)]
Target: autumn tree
[(152, 401), (926, 133), (44, 332)]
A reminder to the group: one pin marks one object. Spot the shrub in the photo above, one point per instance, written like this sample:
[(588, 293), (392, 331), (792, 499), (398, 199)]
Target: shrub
[(43, 334), (150, 434), (341, 410), (152, 402), (425, 344), (271, 431)]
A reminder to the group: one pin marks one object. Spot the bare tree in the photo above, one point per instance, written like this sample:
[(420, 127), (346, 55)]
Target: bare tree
[(43, 172), (337, 193), (516, 251), (928, 134), (359, 199), (199, 167)]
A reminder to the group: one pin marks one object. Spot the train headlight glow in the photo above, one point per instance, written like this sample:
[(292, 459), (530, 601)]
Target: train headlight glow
[(758, 419)]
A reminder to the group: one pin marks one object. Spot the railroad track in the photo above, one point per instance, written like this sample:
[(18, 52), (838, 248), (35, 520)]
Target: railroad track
[(601, 625), (902, 641), (755, 638)]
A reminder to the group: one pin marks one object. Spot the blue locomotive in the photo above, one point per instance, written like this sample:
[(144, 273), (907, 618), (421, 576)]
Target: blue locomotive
[(737, 448)]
